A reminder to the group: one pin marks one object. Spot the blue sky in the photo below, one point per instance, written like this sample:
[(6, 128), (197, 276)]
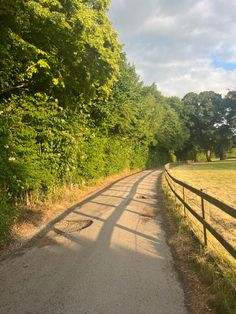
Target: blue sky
[(229, 66), (182, 46)]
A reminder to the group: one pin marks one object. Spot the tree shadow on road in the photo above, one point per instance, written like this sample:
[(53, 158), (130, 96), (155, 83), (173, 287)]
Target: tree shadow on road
[(104, 274)]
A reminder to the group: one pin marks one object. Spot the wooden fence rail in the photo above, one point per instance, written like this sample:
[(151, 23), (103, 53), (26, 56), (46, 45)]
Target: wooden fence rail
[(201, 218)]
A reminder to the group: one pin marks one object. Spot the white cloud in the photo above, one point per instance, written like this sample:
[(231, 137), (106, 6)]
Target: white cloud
[(182, 46)]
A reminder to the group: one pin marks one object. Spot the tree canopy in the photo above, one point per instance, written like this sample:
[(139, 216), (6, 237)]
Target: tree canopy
[(211, 120)]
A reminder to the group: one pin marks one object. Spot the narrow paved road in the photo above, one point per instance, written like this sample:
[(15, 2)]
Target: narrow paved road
[(119, 264)]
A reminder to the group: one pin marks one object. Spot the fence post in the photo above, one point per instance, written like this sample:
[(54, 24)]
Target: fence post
[(175, 196), (203, 216), (185, 215)]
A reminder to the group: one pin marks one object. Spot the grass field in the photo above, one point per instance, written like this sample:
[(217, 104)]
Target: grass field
[(219, 180), (216, 178), (215, 267)]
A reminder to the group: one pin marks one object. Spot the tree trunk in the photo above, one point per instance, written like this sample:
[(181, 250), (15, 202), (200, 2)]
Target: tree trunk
[(208, 155), (222, 155)]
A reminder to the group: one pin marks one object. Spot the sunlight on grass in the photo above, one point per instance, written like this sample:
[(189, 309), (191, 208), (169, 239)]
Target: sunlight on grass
[(217, 179), (214, 263)]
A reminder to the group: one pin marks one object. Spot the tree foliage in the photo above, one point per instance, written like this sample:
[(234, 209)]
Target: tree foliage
[(67, 49), (211, 120)]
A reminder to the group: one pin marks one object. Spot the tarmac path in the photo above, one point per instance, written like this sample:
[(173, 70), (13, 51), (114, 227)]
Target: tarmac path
[(120, 264)]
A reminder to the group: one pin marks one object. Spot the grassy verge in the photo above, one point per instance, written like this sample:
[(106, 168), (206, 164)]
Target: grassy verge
[(219, 294)]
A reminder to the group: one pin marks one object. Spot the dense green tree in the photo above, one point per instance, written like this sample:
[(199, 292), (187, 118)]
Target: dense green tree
[(210, 119), (225, 124), (66, 49)]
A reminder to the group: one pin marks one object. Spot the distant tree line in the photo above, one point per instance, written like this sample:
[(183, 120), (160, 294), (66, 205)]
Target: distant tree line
[(73, 109), (211, 121)]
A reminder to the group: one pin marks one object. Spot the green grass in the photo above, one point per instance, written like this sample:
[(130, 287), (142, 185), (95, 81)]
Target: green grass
[(231, 153), (7, 214)]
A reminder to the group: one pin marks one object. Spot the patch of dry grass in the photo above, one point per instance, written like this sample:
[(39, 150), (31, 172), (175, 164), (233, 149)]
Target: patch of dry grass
[(215, 269), (216, 178), (219, 180)]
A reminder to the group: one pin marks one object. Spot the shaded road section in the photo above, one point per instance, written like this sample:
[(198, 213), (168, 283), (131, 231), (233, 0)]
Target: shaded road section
[(119, 264)]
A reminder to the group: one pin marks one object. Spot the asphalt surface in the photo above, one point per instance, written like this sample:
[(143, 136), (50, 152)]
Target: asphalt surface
[(118, 264)]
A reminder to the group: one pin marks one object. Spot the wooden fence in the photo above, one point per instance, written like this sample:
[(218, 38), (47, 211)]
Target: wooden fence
[(201, 217)]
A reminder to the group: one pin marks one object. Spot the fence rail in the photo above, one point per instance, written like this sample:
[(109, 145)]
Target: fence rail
[(201, 218)]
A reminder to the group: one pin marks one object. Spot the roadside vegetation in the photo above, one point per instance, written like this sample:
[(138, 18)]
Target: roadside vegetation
[(216, 270)]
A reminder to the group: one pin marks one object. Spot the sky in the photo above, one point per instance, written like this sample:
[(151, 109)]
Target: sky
[(181, 45)]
